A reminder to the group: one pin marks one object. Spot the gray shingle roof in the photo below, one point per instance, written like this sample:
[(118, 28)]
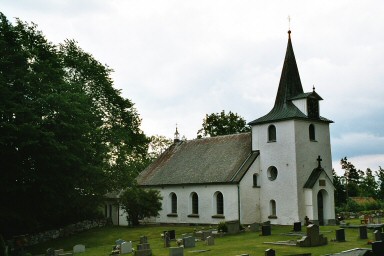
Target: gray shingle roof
[(221, 159), (315, 176)]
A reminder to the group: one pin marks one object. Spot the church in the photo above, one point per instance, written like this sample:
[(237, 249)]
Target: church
[(280, 172)]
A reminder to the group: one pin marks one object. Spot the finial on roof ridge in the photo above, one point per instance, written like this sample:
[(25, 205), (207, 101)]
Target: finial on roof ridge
[(177, 135)]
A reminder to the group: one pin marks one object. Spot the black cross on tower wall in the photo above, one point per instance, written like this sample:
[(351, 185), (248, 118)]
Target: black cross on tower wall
[(319, 161)]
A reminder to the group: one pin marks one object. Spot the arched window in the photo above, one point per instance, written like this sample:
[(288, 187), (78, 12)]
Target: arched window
[(272, 173), (173, 203), (271, 133), (312, 134), (195, 203), (272, 205), (255, 179), (219, 203)]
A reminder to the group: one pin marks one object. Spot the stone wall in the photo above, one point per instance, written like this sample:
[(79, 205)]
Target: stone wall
[(62, 232)]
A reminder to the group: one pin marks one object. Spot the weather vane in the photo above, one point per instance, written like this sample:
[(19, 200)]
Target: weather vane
[(289, 22)]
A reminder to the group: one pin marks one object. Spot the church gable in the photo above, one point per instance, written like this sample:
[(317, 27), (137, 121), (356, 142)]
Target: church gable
[(221, 159)]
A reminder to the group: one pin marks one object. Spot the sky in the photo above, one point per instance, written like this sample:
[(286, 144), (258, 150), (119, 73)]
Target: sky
[(180, 60)]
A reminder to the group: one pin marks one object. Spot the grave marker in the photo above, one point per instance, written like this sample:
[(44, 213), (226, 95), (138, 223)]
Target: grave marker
[(378, 248), (125, 247), (189, 241), (340, 235), (270, 252), (363, 232), (78, 248), (210, 240), (176, 251)]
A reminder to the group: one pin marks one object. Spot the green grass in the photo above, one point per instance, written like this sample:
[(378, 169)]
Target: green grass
[(99, 242)]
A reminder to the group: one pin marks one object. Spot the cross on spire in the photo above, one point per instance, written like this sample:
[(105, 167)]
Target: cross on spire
[(319, 161)]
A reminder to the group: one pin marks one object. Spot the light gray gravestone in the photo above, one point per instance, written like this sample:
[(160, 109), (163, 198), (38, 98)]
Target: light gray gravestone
[(78, 248), (126, 247)]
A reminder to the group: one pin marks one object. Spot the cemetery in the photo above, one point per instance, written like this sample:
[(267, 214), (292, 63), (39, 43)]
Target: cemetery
[(348, 239)]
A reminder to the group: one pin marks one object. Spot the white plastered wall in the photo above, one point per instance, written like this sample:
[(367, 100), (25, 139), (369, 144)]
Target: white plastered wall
[(207, 204)]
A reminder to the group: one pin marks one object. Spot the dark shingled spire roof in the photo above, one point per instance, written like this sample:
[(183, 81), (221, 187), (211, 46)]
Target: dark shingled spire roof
[(289, 88)]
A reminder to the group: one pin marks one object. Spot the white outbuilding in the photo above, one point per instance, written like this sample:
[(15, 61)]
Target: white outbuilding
[(280, 172)]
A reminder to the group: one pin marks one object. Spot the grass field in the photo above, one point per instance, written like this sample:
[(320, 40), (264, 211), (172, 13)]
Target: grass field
[(99, 242)]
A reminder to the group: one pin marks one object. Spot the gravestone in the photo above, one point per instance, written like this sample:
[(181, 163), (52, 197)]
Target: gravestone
[(59, 251), (297, 226), (119, 241), (233, 227), (143, 249), (176, 251), (266, 230), (210, 240), (313, 237), (126, 247), (205, 234), (270, 252), (189, 242), (172, 234), (143, 240), (50, 252), (65, 254), (167, 240), (363, 232), (254, 227), (377, 235), (78, 248), (340, 235), (378, 248)]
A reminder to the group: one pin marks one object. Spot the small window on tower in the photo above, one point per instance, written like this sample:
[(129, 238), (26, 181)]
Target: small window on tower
[(272, 173), (271, 133), (312, 134)]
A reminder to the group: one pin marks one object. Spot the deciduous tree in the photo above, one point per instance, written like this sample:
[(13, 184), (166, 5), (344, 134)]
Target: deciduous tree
[(221, 123)]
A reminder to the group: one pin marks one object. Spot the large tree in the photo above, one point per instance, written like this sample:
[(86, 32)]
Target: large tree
[(221, 123), (66, 135)]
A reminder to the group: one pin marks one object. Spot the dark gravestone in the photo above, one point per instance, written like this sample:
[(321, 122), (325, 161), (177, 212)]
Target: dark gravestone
[(270, 252), (379, 228), (266, 230), (340, 235), (50, 252), (297, 226), (143, 240), (378, 248), (377, 235), (172, 234), (363, 232)]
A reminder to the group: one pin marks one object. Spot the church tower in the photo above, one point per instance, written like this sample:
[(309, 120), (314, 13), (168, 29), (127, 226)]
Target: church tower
[(295, 153)]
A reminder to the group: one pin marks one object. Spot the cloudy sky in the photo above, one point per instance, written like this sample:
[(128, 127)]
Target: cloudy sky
[(178, 60)]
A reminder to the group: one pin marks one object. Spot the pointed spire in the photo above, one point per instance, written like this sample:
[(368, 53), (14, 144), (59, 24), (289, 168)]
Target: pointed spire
[(290, 83)]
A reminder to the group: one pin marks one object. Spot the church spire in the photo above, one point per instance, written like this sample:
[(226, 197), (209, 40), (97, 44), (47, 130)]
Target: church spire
[(290, 83)]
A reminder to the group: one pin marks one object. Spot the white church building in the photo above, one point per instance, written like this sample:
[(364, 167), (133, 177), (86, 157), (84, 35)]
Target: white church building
[(280, 172)]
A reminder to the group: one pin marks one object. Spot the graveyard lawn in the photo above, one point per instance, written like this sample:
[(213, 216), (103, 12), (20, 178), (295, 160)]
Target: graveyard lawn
[(99, 241)]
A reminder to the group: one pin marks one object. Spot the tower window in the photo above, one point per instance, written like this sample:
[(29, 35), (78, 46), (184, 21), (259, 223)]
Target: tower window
[(271, 133), (312, 134), (255, 176), (272, 209), (272, 173)]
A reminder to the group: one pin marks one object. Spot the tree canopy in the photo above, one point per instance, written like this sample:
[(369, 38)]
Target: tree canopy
[(221, 123), (67, 136), (139, 204)]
